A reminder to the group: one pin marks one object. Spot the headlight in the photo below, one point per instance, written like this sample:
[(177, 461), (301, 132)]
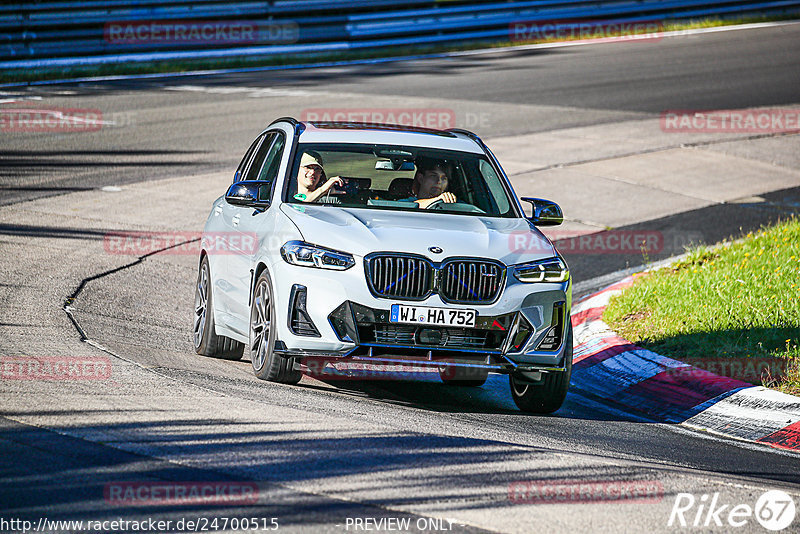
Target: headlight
[(549, 270), (308, 255)]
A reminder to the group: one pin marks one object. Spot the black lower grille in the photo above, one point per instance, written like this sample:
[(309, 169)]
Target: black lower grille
[(359, 324), (423, 336), (553, 338), (300, 322), (394, 335)]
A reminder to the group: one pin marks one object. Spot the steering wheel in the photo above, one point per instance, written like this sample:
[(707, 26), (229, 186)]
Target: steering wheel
[(463, 207)]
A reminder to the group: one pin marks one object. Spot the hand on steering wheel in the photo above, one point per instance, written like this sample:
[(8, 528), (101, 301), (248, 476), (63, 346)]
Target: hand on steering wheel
[(445, 198)]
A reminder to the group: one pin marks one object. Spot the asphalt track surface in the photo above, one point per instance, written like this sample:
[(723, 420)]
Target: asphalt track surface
[(321, 452)]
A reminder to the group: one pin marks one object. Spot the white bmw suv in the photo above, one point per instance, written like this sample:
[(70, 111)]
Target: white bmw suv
[(384, 245)]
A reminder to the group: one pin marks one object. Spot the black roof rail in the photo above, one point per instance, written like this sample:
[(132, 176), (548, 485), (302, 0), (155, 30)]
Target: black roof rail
[(471, 135), (290, 120), (296, 125)]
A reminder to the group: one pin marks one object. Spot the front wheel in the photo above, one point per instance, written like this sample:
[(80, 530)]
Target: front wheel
[(267, 365), (548, 395), (206, 340)]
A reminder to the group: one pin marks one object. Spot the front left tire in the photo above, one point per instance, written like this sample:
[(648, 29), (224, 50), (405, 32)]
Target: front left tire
[(267, 364), (206, 340), (548, 395)]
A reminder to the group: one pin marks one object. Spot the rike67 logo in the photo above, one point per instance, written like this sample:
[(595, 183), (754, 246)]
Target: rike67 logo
[(774, 510)]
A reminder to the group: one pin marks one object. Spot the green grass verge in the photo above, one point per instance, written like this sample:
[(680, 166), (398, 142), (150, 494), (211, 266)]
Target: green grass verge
[(735, 304), (156, 67)]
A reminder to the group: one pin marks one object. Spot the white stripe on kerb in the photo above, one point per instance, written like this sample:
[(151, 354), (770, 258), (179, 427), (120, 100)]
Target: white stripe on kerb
[(584, 332), (618, 373), (597, 301), (751, 413)]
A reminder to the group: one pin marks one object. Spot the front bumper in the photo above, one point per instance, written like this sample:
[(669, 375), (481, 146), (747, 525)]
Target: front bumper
[(353, 325)]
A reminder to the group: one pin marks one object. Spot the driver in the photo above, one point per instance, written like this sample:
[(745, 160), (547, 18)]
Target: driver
[(430, 183), (310, 184)]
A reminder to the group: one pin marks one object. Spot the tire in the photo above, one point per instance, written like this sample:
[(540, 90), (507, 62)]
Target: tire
[(547, 396), (206, 340), (267, 365), (463, 376)]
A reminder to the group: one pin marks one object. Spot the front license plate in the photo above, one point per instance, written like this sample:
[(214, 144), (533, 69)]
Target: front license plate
[(437, 316)]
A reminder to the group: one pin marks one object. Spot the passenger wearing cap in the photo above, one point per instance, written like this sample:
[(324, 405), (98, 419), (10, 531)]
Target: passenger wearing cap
[(310, 185), (430, 183)]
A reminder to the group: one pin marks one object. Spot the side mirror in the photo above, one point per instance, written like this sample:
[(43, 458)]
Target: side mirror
[(545, 212), (254, 194)]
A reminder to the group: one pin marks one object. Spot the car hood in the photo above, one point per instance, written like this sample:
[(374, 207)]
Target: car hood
[(361, 231)]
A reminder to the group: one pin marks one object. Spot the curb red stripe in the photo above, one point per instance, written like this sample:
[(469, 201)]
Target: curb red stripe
[(592, 314), (677, 394), (589, 349), (785, 438), (681, 393), (602, 355)]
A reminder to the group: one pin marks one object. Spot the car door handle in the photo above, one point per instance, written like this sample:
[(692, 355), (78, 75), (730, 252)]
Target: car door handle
[(235, 220), (217, 210)]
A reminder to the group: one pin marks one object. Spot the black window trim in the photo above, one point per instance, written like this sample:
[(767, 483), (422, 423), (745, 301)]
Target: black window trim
[(248, 157), (280, 135), (263, 137)]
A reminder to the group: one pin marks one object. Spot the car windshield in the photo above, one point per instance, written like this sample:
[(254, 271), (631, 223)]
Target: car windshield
[(397, 178)]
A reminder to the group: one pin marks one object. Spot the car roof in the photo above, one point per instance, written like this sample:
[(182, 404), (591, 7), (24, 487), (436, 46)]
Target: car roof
[(388, 134)]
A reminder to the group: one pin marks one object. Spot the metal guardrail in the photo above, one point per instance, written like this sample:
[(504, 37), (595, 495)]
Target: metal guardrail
[(53, 33)]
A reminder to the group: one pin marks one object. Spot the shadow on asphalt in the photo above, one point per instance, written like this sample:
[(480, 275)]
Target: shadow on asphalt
[(33, 174), (494, 397), (51, 232), (61, 477), (29, 163)]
